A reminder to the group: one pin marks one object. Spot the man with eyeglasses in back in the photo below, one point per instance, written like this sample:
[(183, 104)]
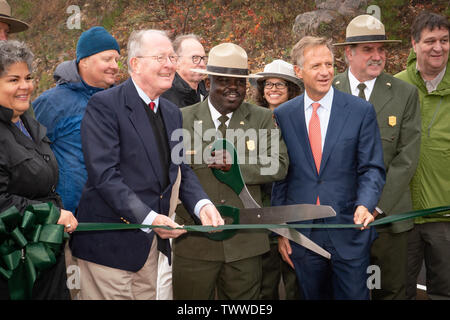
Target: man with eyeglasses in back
[(188, 87), (132, 177)]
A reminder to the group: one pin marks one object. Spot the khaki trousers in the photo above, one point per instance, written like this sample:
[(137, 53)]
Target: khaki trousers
[(100, 282)]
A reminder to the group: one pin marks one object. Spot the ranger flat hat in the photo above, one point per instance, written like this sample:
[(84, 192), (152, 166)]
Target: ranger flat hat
[(365, 29), (15, 25), (228, 60), (280, 69)]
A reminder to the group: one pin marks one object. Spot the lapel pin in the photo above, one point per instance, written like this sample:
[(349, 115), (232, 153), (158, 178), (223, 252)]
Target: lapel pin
[(337, 82), (392, 120), (388, 84), (241, 123)]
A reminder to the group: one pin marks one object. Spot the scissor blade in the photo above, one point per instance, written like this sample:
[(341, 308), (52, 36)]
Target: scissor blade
[(247, 199), (302, 240), (292, 234), (283, 214)]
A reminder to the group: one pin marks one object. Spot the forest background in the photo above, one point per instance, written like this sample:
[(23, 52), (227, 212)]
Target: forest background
[(263, 28)]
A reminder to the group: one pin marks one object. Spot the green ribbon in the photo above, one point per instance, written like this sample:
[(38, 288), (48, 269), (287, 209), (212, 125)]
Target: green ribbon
[(29, 243), (236, 226)]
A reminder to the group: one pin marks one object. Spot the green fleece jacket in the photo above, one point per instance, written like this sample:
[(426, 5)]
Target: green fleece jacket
[(430, 186)]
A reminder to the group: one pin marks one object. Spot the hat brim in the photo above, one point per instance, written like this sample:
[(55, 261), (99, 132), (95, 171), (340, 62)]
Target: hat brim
[(266, 75), (369, 41), (14, 24), (203, 71)]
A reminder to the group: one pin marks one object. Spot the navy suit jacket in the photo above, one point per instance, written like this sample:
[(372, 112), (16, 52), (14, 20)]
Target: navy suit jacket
[(124, 177), (351, 171)]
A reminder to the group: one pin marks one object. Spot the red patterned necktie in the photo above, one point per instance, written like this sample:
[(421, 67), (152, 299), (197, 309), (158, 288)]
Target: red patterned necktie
[(152, 106), (315, 138)]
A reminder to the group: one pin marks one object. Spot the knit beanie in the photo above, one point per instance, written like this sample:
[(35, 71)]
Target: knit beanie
[(95, 40)]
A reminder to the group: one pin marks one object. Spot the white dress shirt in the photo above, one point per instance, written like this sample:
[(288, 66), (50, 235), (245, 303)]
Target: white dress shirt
[(323, 112), (215, 115), (355, 82), (367, 92), (145, 97), (152, 215)]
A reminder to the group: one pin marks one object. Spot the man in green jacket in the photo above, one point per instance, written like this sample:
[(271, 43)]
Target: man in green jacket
[(227, 269), (398, 114), (428, 68)]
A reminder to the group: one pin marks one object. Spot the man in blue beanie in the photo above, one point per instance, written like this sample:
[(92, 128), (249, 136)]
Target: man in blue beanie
[(61, 108)]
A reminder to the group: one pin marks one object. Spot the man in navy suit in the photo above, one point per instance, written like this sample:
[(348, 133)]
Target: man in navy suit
[(336, 159), (132, 177)]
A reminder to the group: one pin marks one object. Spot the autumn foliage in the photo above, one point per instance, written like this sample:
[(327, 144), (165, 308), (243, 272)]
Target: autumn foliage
[(262, 28)]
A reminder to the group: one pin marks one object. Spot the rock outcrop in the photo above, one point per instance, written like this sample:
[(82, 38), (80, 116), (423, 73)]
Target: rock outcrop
[(330, 15)]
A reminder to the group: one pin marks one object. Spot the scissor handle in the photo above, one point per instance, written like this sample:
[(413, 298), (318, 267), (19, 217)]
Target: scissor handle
[(233, 177)]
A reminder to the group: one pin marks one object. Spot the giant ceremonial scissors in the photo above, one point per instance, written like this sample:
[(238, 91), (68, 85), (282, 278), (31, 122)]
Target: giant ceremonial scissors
[(254, 214)]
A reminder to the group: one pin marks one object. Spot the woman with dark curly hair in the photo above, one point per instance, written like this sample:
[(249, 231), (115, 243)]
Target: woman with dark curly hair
[(28, 168), (277, 85)]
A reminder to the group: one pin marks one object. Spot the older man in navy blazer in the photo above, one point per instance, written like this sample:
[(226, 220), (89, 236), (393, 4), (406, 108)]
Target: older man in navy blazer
[(132, 177), (336, 159)]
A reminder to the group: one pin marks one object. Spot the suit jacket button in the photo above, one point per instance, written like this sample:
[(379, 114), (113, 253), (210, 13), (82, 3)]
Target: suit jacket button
[(161, 196), (319, 182)]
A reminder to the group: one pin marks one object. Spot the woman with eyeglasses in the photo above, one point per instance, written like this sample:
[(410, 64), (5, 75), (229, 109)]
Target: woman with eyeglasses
[(28, 169), (277, 85)]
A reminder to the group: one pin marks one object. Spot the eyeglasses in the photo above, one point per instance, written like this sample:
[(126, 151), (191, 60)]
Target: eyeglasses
[(278, 85), (162, 58), (198, 59)]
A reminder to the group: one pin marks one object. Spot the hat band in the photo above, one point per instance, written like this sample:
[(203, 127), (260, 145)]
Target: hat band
[(233, 71), (4, 15), (377, 37)]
